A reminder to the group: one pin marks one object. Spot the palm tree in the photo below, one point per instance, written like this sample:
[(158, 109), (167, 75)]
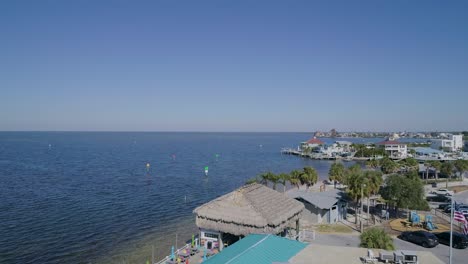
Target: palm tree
[(372, 164), (437, 165), (427, 164), (274, 178), (337, 173), (355, 182), (447, 169), (266, 177), (294, 178), (283, 179), (374, 181), (411, 164), (252, 180), (461, 166), (356, 168), (309, 176)]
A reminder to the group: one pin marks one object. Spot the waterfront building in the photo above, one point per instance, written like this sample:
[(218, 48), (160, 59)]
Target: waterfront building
[(312, 143), (394, 149), (452, 143), (327, 207), (251, 209), (424, 153)]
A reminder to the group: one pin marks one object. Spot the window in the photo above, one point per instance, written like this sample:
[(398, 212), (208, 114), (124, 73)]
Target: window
[(211, 235)]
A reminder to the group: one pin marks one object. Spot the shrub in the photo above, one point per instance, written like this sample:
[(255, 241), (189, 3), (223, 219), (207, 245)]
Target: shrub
[(376, 238)]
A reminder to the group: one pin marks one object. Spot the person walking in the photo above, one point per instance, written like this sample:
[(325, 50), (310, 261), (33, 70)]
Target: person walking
[(387, 215)]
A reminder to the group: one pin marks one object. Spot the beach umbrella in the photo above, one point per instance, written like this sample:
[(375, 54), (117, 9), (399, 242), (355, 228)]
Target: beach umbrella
[(193, 240), (172, 253)]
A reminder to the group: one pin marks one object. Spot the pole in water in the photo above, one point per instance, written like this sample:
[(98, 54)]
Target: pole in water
[(185, 198)]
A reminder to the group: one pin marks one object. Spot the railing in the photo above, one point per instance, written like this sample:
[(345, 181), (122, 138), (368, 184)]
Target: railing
[(186, 246), (446, 217), (304, 235)]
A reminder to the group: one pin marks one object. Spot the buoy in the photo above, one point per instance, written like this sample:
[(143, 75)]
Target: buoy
[(147, 166), (206, 170)]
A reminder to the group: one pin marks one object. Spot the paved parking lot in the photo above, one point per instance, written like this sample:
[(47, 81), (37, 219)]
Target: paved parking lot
[(352, 240)]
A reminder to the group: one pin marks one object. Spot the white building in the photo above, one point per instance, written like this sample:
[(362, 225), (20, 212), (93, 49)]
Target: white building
[(395, 149), (453, 143)]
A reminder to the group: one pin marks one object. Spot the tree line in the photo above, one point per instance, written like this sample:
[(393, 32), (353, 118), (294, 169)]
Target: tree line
[(308, 176), (447, 168)]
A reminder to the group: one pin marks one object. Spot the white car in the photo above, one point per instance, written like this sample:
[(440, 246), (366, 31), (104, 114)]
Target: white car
[(444, 192)]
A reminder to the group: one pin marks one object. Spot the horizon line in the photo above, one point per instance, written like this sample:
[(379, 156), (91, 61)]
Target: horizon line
[(200, 131)]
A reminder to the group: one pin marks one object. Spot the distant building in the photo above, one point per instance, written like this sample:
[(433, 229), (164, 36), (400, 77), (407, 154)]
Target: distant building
[(395, 149), (453, 143), (312, 143)]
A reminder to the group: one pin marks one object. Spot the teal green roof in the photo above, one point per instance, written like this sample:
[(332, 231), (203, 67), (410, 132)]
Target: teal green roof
[(258, 249)]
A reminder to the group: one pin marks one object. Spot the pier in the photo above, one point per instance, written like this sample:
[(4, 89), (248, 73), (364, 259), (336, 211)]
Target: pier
[(317, 156)]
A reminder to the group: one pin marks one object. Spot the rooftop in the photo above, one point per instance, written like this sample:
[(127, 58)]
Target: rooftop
[(315, 140), (323, 200), (258, 249), (427, 151), (250, 209)]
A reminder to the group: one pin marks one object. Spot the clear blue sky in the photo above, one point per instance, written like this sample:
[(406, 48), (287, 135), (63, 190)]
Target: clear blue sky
[(234, 65)]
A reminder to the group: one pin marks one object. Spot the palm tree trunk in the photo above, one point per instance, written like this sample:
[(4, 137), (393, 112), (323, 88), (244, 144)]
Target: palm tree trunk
[(368, 205), (355, 213)]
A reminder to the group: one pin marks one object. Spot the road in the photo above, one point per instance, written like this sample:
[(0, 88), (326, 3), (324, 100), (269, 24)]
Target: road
[(461, 197), (352, 240)]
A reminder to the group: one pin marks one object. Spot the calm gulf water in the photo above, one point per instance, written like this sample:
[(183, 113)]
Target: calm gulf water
[(70, 197)]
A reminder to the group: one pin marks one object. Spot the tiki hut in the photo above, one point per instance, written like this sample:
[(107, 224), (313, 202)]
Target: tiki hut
[(250, 209)]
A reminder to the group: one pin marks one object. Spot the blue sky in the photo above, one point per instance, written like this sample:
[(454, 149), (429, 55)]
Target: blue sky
[(234, 65)]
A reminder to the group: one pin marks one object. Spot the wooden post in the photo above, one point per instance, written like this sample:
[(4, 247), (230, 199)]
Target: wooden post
[(297, 228)]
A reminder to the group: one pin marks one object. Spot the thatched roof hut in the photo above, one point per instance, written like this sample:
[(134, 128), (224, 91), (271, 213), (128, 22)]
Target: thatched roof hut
[(250, 209)]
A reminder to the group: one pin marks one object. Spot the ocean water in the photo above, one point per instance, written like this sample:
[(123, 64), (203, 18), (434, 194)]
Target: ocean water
[(85, 197)]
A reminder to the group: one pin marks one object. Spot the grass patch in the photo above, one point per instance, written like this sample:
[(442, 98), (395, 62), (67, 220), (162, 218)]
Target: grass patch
[(337, 228)]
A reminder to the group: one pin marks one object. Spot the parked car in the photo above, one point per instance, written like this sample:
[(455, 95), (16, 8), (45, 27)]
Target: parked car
[(438, 198), (463, 208), (422, 238), (458, 240), (442, 206), (444, 192)]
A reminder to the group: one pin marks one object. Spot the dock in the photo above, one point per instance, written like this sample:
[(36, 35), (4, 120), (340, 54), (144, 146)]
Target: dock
[(317, 156)]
